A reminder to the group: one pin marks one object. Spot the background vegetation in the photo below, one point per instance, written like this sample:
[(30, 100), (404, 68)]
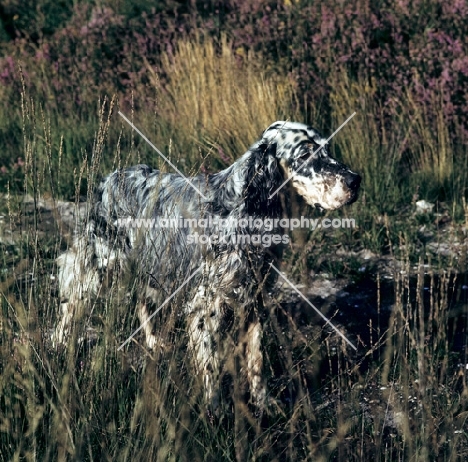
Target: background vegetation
[(202, 80)]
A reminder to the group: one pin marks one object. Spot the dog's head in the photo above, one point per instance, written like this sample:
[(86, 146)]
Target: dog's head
[(303, 155)]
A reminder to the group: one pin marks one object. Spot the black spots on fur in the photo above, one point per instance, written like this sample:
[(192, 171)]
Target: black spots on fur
[(143, 188), (201, 324), (327, 166), (140, 169), (297, 138), (283, 136), (116, 180), (146, 171), (128, 243), (262, 178), (288, 146), (270, 149), (227, 319), (145, 194), (214, 343)]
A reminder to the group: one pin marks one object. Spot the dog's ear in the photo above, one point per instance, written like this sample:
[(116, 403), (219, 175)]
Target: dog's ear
[(263, 177)]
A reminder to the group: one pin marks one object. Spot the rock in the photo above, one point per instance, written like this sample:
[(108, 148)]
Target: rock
[(423, 207)]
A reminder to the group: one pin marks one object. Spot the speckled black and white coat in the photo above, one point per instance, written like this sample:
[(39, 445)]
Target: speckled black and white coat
[(230, 272)]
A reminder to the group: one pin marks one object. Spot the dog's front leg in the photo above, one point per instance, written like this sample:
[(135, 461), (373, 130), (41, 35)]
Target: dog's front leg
[(203, 341), (254, 362)]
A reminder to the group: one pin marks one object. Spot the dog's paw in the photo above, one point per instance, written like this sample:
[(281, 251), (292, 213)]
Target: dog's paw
[(154, 343)]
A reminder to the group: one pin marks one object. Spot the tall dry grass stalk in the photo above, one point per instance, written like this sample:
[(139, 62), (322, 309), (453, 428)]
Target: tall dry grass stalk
[(364, 143), (220, 97), (431, 151)]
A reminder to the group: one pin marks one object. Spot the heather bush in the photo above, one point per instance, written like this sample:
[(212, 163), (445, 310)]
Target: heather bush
[(33, 19), (399, 45)]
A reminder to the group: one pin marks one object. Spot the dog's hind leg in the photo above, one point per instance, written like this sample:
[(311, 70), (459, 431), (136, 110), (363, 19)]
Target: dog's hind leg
[(80, 271)]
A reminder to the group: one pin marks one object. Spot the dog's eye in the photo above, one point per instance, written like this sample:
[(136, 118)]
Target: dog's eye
[(305, 155), (309, 149)]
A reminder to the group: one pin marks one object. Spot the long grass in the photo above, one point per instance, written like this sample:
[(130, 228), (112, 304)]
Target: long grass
[(216, 101), (404, 396)]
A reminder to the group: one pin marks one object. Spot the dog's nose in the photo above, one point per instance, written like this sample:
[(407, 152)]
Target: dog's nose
[(352, 180)]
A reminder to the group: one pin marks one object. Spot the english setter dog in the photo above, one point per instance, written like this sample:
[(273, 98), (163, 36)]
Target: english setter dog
[(225, 273)]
